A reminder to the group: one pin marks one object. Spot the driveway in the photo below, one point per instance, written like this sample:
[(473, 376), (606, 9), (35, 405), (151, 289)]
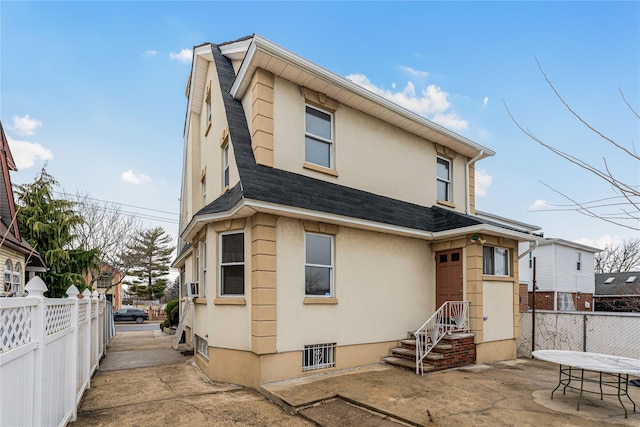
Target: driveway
[(143, 381)]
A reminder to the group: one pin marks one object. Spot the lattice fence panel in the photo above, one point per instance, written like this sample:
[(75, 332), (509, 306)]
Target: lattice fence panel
[(15, 327), (82, 312), (58, 318)]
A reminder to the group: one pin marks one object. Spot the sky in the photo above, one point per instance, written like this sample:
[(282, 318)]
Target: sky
[(96, 90)]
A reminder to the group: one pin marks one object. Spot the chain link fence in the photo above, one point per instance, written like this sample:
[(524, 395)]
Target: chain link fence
[(617, 334)]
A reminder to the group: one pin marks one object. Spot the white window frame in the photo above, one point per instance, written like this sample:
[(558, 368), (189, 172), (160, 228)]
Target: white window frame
[(330, 141), (225, 165), (229, 264), (203, 288), (579, 261), (203, 347), (565, 301), (203, 188), (196, 267), (330, 267), (446, 180), (208, 102), (530, 260), (493, 262), (8, 276)]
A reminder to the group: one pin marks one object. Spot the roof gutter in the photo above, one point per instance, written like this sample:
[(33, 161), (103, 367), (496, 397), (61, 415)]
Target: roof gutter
[(533, 244), (466, 181)]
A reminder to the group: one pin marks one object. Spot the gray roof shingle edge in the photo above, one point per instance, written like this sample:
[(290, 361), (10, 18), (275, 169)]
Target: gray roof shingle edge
[(286, 188)]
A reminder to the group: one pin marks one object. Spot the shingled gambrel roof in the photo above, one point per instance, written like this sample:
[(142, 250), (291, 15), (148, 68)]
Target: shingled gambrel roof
[(276, 186)]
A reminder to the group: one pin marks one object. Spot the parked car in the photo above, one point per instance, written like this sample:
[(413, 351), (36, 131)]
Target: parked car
[(130, 315)]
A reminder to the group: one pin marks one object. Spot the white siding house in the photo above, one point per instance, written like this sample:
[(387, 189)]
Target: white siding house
[(564, 275)]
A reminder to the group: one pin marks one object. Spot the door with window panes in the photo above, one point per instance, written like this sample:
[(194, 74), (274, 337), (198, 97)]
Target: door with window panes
[(448, 276)]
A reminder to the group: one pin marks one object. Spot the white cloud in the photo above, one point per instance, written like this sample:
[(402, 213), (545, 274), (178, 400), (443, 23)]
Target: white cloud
[(183, 56), (26, 153), (414, 72), (134, 178), (602, 241), (485, 101), (150, 53), (431, 102), (25, 125), (483, 182), (538, 205)]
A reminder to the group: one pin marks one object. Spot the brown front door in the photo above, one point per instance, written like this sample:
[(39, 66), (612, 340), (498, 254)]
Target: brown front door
[(448, 276)]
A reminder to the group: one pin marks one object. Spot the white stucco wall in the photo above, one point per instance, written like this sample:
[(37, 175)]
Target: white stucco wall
[(497, 300), (369, 154), (384, 285)]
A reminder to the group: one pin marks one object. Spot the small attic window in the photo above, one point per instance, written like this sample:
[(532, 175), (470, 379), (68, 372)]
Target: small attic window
[(631, 279), (609, 280)]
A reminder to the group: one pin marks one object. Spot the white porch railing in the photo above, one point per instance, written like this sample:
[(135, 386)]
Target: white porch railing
[(453, 316), (49, 349)]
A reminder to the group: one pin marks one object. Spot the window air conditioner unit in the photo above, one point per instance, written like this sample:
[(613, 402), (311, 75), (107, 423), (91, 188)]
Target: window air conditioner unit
[(192, 289)]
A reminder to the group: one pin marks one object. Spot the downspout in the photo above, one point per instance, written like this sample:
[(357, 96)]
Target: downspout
[(466, 181)]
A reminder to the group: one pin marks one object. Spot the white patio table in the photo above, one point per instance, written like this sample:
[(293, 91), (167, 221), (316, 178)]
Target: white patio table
[(612, 372)]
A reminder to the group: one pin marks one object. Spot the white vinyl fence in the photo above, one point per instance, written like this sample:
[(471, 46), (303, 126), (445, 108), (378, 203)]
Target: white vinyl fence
[(617, 334), (49, 349)]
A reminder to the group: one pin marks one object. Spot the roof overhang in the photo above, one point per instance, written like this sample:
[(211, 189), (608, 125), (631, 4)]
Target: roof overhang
[(262, 53), (249, 207), (570, 244)]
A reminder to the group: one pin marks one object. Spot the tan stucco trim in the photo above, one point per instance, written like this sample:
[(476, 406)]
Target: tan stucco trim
[(320, 227), (229, 225), (224, 136), (200, 301), (230, 301), (445, 152), (319, 100), (320, 300), (445, 203), (495, 351), (321, 169), (251, 370), (262, 117), (263, 283)]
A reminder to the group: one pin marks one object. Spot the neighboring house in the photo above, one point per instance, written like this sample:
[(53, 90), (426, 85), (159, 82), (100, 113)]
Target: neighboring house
[(108, 282), (19, 259), (322, 222), (564, 276), (618, 292)]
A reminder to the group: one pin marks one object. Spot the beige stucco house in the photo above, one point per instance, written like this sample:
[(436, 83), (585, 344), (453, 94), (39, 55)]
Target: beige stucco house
[(321, 222)]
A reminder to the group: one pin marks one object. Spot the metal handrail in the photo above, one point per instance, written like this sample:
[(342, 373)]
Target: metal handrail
[(453, 316)]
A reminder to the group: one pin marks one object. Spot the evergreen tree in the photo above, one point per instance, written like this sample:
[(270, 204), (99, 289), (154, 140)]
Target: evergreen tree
[(47, 224), (149, 253)]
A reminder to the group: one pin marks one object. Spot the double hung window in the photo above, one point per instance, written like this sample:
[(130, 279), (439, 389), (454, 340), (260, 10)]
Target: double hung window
[(495, 261), (318, 266), (232, 264), (579, 261), (444, 179), (225, 166), (318, 141)]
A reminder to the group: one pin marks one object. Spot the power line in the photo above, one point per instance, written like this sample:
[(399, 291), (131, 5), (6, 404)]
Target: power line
[(115, 203)]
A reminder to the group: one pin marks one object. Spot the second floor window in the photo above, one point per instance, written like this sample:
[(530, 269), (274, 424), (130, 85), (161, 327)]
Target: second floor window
[(203, 287), (225, 166), (579, 261), (495, 261), (444, 179), (232, 264), (318, 137)]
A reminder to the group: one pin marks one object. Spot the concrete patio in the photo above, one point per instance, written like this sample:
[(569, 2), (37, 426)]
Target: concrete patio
[(142, 381)]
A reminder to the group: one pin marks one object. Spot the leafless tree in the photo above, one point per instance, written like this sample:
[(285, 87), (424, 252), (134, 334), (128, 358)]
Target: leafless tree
[(619, 259), (624, 208), (107, 228)]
